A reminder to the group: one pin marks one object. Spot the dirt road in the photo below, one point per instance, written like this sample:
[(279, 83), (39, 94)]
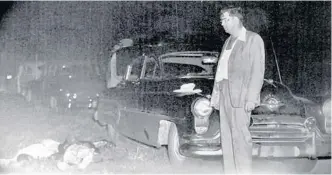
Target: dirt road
[(23, 124)]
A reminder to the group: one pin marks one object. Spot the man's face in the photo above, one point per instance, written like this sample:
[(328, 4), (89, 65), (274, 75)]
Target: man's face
[(227, 22)]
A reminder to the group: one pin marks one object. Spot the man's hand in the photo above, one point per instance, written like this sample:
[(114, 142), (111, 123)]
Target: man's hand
[(249, 106)]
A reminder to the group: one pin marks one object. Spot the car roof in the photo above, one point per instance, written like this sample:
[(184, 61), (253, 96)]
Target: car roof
[(169, 48)]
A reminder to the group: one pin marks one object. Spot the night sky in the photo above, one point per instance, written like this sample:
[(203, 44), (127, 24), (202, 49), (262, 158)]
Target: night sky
[(300, 32), (4, 7)]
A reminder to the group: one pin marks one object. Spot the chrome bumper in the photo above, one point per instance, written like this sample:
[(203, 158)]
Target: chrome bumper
[(275, 147)]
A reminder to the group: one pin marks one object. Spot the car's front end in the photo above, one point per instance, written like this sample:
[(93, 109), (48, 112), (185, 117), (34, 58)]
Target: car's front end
[(282, 126)]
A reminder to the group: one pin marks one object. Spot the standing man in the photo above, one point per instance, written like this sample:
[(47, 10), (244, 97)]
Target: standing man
[(236, 92)]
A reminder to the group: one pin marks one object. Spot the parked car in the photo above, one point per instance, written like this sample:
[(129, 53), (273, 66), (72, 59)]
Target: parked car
[(15, 77), (160, 97), (67, 85)]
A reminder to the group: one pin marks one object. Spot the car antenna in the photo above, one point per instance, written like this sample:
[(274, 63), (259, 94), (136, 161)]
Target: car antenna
[(275, 55), (276, 60)]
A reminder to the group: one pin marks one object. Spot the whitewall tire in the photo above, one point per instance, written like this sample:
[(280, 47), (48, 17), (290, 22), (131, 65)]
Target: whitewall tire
[(173, 150)]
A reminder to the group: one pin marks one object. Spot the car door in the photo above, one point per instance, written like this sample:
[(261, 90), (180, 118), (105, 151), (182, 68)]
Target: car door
[(146, 121), (132, 90), (131, 110), (152, 87)]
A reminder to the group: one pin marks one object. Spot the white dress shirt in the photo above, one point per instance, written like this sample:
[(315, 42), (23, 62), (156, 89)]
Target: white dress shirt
[(222, 69)]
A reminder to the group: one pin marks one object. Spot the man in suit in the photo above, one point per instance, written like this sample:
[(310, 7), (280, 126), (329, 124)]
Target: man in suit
[(236, 92)]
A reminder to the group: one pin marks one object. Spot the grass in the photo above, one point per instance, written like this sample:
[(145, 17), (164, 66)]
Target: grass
[(23, 124)]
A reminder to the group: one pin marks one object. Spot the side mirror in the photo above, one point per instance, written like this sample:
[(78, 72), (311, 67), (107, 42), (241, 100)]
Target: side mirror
[(210, 59), (126, 42)]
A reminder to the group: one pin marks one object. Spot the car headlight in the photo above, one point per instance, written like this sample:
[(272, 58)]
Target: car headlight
[(9, 77), (327, 114), (310, 123), (201, 108)]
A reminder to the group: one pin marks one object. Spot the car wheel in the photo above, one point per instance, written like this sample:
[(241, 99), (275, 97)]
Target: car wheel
[(95, 118), (174, 154)]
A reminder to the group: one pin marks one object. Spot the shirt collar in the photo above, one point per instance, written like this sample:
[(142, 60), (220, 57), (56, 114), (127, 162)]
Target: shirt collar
[(242, 35)]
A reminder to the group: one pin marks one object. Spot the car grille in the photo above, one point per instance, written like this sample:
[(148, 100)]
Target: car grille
[(279, 129)]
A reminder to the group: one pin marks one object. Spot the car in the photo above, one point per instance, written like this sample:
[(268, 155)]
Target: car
[(17, 76), (159, 95), (67, 85)]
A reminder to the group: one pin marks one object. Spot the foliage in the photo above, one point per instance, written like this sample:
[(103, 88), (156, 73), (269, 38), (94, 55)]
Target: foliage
[(256, 20)]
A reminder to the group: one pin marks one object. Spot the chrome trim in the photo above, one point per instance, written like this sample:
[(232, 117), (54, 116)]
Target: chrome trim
[(208, 153), (188, 53), (310, 123)]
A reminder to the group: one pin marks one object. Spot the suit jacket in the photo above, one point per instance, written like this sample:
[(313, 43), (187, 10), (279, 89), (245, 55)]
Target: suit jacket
[(246, 67)]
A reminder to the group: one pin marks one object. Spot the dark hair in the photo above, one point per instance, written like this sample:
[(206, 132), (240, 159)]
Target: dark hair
[(233, 11)]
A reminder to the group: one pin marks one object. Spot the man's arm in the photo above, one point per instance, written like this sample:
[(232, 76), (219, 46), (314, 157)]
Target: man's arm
[(257, 57)]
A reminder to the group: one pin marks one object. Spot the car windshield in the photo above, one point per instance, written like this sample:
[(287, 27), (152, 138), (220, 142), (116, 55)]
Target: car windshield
[(79, 72), (179, 70)]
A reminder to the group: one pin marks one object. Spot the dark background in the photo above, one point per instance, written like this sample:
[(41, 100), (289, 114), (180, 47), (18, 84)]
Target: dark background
[(299, 30)]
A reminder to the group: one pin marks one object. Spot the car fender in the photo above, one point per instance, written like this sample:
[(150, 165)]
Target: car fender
[(163, 132)]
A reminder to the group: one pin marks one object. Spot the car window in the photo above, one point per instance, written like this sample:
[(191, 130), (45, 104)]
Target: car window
[(176, 69), (124, 57), (136, 68), (151, 69)]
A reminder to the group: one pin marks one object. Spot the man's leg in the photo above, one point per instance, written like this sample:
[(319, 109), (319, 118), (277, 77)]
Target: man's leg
[(239, 121), (242, 141), (225, 132)]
